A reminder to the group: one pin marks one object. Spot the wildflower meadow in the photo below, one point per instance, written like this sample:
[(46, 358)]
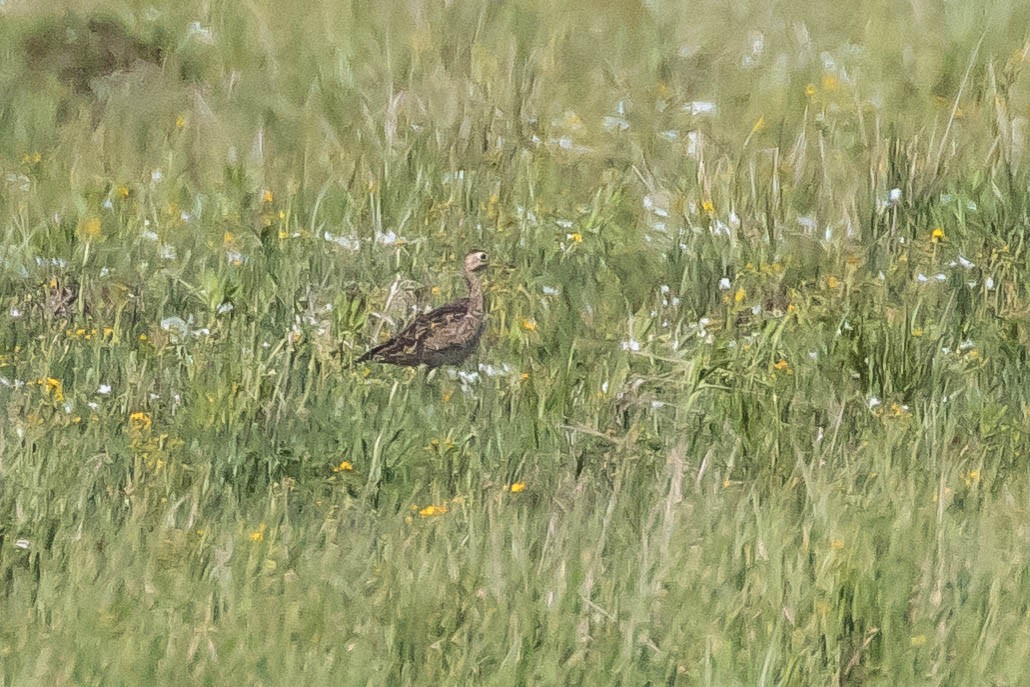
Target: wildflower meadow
[(752, 402)]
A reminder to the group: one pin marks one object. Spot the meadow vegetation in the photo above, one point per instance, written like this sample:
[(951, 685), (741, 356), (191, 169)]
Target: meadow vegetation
[(752, 403)]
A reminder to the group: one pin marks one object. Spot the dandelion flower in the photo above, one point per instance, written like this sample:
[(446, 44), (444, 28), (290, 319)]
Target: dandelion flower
[(832, 282), (344, 466), (708, 207), (937, 235), (258, 535), (739, 296), (781, 365), (529, 325), (575, 237), (139, 422), (53, 388), (810, 90), (89, 228), (517, 487)]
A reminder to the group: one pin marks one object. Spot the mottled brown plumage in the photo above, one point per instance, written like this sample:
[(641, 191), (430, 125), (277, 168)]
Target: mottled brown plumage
[(444, 336)]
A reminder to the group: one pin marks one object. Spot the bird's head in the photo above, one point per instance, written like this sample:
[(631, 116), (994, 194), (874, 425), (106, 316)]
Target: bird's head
[(476, 261)]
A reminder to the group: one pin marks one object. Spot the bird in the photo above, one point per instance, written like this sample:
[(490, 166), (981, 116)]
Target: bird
[(444, 336)]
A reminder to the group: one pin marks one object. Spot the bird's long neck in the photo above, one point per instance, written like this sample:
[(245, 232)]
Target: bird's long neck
[(475, 294)]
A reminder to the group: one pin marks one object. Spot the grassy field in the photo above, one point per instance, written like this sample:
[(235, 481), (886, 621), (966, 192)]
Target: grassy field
[(752, 404)]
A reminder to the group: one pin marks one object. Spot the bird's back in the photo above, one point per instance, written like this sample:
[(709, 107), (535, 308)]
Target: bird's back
[(444, 336)]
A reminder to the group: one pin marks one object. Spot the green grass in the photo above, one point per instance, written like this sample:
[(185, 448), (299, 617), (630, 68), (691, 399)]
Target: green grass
[(771, 425)]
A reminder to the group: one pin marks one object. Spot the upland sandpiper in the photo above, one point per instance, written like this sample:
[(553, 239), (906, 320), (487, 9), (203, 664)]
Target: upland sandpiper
[(444, 336)]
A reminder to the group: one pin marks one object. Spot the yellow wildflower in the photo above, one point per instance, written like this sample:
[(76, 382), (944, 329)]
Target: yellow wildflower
[(517, 487), (810, 90), (344, 466), (896, 410), (435, 290), (708, 207), (781, 365), (266, 196), (180, 122), (832, 282), (829, 82), (917, 332), (575, 237), (971, 477), (937, 235), (89, 228), (529, 325), (139, 422), (739, 296), (53, 388), (430, 511), (122, 192), (258, 535)]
